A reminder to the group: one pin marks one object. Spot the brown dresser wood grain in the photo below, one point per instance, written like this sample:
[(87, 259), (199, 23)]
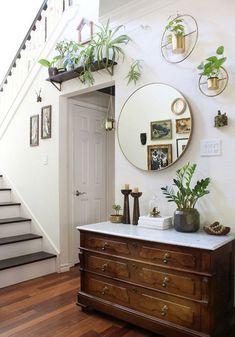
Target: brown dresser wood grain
[(175, 291)]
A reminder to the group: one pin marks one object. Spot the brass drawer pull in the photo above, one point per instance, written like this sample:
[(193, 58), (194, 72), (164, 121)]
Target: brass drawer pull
[(134, 266), (104, 267), (105, 246), (164, 310), (104, 290), (166, 257), (165, 282)]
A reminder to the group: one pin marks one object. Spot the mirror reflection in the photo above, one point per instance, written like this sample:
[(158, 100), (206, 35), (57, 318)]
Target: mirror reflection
[(154, 126)]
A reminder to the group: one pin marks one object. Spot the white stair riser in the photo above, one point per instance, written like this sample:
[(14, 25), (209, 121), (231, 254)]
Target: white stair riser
[(9, 211), (5, 196), (16, 228), (26, 272), (20, 248)]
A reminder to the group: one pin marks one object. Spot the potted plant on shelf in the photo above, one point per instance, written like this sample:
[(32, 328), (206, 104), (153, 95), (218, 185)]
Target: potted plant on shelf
[(211, 68), (52, 70), (116, 218), (186, 216), (176, 35)]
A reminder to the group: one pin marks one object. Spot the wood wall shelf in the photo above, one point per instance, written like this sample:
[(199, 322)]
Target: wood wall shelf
[(58, 79)]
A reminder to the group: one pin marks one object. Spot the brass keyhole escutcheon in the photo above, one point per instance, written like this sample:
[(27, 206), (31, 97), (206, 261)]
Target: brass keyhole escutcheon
[(165, 258), (104, 267), (104, 290), (164, 310), (105, 246), (165, 282)]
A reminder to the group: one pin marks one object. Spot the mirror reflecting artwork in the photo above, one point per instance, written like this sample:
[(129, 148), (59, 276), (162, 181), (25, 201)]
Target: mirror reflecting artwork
[(160, 113)]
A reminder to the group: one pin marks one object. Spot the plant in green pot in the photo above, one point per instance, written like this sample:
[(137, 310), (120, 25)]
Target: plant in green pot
[(186, 216), (176, 35), (211, 68)]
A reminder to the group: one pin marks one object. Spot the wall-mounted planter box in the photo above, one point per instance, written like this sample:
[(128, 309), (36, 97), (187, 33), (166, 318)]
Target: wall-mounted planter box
[(71, 74)]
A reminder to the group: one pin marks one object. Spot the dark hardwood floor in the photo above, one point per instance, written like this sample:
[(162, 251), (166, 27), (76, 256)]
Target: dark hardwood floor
[(46, 307)]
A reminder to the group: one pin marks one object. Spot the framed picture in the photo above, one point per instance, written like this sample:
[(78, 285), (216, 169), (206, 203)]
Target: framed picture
[(181, 144), (34, 130), (161, 130), (183, 125), (46, 122), (159, 156)]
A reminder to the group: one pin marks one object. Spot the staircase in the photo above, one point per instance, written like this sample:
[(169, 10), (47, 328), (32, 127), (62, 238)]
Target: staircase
[(21, 255)]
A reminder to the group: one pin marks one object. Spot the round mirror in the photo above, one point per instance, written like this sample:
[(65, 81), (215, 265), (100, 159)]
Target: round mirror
[(154, 127)]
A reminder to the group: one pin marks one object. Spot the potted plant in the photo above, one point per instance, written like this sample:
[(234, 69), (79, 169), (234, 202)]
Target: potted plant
[(52, 70), (176, 36), (186, 216), (116, 218), (211, 67)]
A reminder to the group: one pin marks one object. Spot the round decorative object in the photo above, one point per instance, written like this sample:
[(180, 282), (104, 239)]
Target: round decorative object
[(214, 86), (176, 49), (178, 106), (187, 220), (148, 111), (216, 229)]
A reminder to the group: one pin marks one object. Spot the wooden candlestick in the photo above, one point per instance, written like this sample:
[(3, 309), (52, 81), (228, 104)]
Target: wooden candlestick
[(136, 209), (126, 210)]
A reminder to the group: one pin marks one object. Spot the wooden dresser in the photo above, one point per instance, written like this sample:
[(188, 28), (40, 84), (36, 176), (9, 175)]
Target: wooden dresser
[(175, 284)]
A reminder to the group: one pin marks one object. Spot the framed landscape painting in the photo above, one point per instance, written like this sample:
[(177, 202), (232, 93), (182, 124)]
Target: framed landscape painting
[(161, 130), (183, 125), (34, 130), (159, 156)]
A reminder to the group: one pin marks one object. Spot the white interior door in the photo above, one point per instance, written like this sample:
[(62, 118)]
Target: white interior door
[(89, 169)]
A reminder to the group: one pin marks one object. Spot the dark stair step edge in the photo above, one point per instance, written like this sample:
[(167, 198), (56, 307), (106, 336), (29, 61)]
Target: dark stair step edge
[(0, 175), (5, 189), (25, 259), (13, 220), (19, 238), (9, 203)]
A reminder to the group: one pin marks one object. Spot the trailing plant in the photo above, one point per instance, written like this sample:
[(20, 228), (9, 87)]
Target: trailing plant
[(87, 57), (186, 196), (176, 26), (210, 67), (117, 209), (135, 71)]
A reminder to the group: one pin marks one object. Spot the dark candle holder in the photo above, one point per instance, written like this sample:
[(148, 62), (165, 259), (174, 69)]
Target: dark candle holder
[(126, 209), (136, 209)]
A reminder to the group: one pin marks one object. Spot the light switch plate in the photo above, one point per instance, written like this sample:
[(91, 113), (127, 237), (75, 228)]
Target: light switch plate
[(210, 147)]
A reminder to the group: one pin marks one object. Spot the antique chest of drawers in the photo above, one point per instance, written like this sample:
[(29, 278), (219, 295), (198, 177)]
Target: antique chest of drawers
[(175, 284)]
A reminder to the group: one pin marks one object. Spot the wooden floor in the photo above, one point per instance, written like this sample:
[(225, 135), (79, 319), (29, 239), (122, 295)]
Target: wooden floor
[(46, 307)]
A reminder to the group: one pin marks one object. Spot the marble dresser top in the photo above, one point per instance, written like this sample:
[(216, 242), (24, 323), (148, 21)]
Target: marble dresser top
[(170, 236)]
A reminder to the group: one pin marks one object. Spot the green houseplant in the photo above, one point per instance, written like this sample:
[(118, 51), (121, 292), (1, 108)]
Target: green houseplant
[(52, 69), (211, 68), (116, 218), (135, 71), (186, 216), (176, 35)]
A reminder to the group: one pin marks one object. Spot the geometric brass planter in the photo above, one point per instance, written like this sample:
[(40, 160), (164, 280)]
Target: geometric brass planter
[(178, 44), (213, 83)]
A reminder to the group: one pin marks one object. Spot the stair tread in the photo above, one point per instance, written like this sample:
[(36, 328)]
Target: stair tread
[(19, 238), (25, 259), (9, 203), (12, 220)]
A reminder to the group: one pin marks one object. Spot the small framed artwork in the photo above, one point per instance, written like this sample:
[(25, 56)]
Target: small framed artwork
[(161, 130), (183, 125), (178, 106), (159, 156), (34, 130), (46, 122), (181, 144)]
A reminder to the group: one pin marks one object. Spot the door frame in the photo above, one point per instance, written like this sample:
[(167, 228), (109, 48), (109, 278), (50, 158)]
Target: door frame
[(71, 103)]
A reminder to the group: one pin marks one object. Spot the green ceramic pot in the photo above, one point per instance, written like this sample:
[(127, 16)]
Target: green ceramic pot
[(187, 220)]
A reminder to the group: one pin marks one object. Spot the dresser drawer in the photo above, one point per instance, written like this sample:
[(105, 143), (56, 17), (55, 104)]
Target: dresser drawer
[(178, 283), (106, 266), (107, 289), (165, 256), (107, 245), (167, 308)]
